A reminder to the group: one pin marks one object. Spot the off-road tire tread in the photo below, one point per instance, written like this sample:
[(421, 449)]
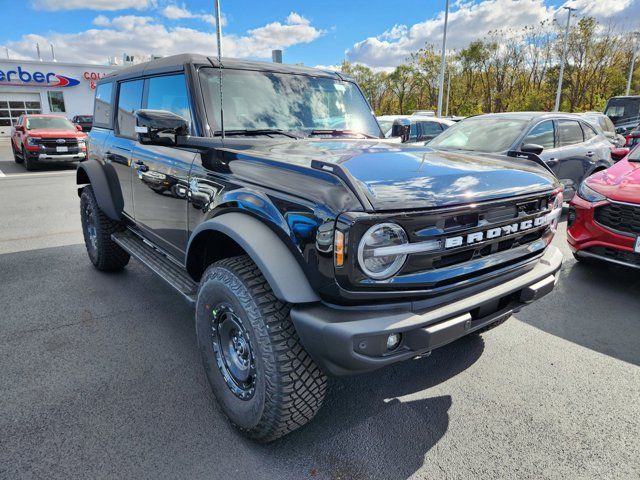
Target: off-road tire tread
[(111, 256), (295, 387)]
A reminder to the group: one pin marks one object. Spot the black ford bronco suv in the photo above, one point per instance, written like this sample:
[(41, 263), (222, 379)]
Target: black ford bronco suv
[(266, 196)]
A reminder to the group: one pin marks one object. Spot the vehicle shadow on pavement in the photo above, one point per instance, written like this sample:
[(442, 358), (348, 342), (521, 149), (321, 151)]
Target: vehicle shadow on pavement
[(371, 427), (600, 315)]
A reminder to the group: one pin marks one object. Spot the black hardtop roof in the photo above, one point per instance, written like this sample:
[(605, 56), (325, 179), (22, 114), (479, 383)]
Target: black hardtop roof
[(176, 63)]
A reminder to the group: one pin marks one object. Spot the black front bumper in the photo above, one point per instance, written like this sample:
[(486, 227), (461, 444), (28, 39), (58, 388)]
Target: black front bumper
[(345, 341)]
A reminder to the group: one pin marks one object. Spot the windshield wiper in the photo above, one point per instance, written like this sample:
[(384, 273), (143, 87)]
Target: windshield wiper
[(259, 131), (340, 133)]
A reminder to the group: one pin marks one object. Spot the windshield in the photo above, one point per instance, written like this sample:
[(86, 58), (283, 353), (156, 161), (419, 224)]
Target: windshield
[(84, 119), (49, 123), (481, 134), (294, 103), (621, 110)]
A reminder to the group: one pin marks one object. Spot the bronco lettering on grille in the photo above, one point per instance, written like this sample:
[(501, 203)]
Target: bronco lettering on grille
[(496, 232)]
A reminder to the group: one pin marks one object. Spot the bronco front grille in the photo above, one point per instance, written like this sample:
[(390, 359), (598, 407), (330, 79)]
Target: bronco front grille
[(474, 240), (620, 217)]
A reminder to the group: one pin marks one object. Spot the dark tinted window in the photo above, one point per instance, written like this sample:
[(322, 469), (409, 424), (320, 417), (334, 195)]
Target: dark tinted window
[(621, 110), (169, 93), (589, 132), (102, 106), (430, 129), (413, 132), (569, 132), (542, 134), (129, 100)]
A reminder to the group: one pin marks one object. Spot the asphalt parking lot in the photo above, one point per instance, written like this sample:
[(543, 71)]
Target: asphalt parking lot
[(101, 377)]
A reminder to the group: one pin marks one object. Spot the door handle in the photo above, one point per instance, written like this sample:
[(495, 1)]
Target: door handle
[(590, 154)]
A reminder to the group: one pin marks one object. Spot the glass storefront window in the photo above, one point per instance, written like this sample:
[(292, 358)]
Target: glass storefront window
[(56, 102)]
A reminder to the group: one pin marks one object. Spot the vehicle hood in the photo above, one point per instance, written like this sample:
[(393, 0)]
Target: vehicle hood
[(620, 182), (45, 133), (398, 177)]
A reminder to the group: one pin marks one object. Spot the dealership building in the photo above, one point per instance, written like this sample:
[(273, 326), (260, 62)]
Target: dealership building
[(28, 86)]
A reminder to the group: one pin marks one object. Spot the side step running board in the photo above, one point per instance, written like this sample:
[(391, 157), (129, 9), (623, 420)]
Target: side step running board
[(159, 263)]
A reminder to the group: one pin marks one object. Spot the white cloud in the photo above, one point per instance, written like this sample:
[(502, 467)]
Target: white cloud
[(142, 35), (175, 12), (93, 4), (470, 20)]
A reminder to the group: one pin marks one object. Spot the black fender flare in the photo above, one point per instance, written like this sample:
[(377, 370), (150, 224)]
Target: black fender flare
[(104, 182), (276, 262)]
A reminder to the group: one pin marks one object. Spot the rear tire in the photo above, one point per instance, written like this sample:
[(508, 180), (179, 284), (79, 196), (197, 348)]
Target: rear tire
[(263, 379), (105, 254)]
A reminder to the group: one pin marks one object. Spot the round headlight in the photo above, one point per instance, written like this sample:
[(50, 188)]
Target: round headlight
[(375, 258)]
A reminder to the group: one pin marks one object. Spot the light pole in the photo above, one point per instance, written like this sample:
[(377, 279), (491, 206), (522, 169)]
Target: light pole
[(442, 61), (633, 63), (564, 55)]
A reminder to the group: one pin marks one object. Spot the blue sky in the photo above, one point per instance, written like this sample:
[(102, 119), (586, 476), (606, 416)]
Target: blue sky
[(374, 32)]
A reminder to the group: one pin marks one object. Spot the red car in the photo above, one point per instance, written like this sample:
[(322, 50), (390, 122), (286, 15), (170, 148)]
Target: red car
[(47, 138), (604, 217)]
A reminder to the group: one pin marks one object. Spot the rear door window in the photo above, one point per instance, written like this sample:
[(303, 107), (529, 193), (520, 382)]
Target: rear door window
[(129, 100), (569, 133), (102, 105), (588, 131), (542, 134)]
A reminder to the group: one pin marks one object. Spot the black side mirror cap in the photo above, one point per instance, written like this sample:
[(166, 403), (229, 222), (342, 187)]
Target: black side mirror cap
[(159, 127), (532, 148), (401, 128)]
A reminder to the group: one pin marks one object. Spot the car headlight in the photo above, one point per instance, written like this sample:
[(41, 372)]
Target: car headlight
[(376, 254), (32, 141), (589, 194)]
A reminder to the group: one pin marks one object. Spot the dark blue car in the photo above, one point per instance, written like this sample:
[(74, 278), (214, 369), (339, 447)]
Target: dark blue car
[(571, 147)]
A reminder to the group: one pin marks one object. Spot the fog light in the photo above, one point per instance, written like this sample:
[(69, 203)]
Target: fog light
[(393, 341)]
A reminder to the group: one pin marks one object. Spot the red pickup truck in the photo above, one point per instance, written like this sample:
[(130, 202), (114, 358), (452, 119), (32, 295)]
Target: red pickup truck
[(38, 139)]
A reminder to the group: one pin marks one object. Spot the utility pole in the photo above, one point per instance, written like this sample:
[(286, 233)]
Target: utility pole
[(443, 60), (446, 110), (564, 56), (633, 63)]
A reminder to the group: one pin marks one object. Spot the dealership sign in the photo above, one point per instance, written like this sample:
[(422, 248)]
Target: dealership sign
[(26, 78)]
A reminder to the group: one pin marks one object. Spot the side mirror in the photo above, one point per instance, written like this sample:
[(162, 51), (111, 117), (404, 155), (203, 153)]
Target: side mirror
[(532, 148), (79, 128), (159, 127), (619, 153), (19, 128), (401, 128)]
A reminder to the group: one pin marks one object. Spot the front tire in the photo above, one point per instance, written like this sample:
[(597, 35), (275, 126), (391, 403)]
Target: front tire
[(263, 379), (29, 164), (105, 254)]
